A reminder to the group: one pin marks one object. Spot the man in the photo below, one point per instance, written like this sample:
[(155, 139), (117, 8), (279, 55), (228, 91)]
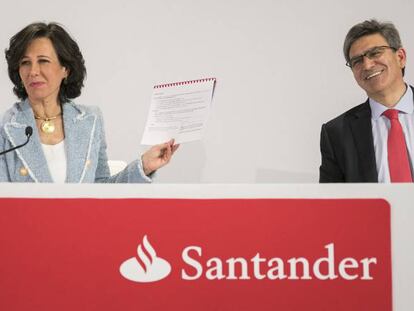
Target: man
[(372, 142)]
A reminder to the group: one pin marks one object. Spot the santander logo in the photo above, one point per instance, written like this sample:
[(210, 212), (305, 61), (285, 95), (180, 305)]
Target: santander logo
[(147, 267), (150, 268)]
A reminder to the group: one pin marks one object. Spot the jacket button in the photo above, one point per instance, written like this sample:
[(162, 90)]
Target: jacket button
[(88, 162), (23, 171)]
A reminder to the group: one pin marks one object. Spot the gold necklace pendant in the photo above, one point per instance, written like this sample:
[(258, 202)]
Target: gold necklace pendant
[(47, 127)]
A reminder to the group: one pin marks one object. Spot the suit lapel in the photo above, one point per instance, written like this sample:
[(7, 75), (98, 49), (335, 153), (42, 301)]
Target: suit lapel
[(79, 128), (361, 128), (31, 155)]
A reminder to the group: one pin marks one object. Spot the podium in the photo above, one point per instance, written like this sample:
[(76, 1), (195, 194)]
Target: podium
[(206, 247)]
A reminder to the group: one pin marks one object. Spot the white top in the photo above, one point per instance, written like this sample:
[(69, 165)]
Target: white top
[(56, 161), (380, 126)]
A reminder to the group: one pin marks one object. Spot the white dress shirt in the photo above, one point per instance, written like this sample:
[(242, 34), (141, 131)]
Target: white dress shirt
[(380, 127)]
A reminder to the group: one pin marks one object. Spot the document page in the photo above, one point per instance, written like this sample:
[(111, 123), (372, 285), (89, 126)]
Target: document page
[(179, 110)]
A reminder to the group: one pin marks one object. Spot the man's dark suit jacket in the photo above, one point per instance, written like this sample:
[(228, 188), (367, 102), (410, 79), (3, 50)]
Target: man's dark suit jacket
[(347, 147)]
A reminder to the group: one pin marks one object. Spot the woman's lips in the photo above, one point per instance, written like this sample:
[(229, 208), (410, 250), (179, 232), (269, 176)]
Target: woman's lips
[(36, 84)]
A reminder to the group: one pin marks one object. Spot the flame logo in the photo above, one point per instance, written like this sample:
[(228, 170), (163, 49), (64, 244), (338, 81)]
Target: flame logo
[(147, 267)]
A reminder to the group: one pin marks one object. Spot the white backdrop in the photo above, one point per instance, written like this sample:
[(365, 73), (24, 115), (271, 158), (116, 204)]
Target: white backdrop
[(278, 64)]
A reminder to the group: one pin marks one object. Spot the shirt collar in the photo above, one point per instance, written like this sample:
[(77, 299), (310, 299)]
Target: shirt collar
[(405, 105)]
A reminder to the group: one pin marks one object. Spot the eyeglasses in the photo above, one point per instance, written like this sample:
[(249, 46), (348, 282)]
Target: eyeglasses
[(373, 53)]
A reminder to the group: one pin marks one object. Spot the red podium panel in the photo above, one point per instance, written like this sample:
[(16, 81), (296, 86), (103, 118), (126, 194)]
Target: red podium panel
[(195, 254)]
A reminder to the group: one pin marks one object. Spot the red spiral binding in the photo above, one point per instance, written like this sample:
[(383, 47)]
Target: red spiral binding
[(183, 83)]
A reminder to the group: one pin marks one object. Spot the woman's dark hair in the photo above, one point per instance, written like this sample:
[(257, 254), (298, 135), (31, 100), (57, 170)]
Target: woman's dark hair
[(67, 51)]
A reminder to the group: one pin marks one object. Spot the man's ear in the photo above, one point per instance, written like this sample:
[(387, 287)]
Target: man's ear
[(401, 57)]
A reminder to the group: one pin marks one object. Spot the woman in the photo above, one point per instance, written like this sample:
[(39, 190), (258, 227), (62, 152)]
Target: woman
[(68, 142)]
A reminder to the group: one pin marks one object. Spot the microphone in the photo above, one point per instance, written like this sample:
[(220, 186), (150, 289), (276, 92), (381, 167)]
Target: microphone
[(29, 132)]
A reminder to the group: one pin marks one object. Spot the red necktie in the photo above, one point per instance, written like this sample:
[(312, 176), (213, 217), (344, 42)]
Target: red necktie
[(398, 162)]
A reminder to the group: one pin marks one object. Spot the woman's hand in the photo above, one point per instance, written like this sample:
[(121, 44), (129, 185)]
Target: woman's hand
[(158, 156)]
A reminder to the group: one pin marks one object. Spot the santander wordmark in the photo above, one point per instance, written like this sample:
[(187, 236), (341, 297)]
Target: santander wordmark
[(260, 268)]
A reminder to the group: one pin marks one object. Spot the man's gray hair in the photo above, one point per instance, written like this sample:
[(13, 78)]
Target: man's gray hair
[(370, 27)]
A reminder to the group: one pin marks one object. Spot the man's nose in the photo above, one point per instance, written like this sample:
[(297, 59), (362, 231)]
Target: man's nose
[(367, 62)]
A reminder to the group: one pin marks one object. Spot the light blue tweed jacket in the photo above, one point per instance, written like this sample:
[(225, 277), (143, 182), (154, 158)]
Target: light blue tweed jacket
[(84, 143)]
